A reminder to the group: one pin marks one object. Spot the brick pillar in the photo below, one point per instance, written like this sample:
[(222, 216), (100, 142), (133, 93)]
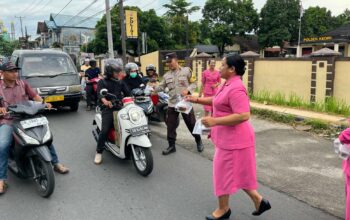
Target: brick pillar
[(248, 77), (322, 78)]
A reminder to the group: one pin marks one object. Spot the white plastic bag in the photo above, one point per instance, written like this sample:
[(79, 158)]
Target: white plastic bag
[(342, 150), (183, 106), (200, 129)]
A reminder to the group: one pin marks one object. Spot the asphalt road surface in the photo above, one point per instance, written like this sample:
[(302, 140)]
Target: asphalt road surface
[(180, 186)]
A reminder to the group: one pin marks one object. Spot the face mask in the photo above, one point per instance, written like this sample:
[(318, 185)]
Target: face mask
[(133, 74)]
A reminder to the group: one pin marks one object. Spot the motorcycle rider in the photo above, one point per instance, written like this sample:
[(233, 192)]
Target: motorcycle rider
[(14, 91), (117, 88), (90, 74), (151, 74), (133, 80)]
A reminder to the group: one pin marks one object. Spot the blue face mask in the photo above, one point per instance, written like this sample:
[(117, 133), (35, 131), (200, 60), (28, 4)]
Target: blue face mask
[(133, 74)]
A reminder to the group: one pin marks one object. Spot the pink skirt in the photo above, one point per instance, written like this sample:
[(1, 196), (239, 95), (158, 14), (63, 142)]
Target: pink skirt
[(347, 190), (234, 170)]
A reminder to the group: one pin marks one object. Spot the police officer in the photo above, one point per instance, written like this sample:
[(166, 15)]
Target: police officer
[(180, 82)]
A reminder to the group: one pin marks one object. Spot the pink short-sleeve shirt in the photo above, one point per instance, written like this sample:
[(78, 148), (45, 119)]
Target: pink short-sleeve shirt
[(208, 80), (232, 98), (344, 137)]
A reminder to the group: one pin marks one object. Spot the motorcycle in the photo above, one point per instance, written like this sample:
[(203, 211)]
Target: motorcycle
[(29, 156), (155, 106), (160, 109), (143, 99), (131, 139)]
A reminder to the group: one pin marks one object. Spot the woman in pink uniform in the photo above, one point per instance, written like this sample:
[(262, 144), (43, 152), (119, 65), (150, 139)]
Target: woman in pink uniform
[(211, 80), (234, 165), (344, 138)]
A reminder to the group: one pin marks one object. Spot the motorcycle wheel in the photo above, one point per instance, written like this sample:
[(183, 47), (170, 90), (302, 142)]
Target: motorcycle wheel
[(45, 181), (143, 161)]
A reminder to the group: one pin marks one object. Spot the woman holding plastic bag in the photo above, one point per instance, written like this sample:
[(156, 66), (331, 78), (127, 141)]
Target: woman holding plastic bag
[(234, 165), (344, 138)]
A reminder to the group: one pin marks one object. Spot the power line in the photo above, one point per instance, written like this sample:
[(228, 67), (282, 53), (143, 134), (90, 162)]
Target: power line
[(63, 8), (29, 6), (44, 6), (148, 4), (88, 18), (80, 12), (92, 16)]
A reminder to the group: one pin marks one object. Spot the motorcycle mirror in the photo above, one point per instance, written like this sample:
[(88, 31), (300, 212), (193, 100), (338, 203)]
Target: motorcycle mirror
[(103, 92)]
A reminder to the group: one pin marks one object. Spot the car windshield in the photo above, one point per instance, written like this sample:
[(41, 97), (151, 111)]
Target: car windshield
[(46, 65)]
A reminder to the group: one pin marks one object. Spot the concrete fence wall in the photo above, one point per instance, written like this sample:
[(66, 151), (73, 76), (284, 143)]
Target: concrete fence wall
[(342, 81), (311, 79)]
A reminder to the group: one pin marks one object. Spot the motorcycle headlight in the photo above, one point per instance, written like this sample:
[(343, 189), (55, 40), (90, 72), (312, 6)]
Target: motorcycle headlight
[(47, 135), (28, 139), (135, 116)]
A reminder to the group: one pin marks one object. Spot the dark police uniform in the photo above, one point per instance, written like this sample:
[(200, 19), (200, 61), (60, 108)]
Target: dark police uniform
[(178, 81)]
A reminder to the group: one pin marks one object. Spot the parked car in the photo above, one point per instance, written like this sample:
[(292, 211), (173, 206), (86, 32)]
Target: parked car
[(52, 73)]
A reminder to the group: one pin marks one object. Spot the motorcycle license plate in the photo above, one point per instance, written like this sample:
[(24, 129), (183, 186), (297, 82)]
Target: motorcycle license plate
[(139, 130), (56, 98), (34, 122)]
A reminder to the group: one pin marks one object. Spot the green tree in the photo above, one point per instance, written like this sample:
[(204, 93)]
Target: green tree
[(155, 27), (225, 19), (343, 18), (7, 47), (279, 22), (316, 21), (177, 19)]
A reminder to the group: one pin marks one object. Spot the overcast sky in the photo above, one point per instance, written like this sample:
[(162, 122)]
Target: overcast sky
[(39, 10)]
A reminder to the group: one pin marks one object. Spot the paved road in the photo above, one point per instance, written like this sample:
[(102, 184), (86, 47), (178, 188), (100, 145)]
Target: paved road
[(297, 163), (179, 187)]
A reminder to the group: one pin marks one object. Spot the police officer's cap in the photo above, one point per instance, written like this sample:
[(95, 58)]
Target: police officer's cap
[(170, 56)]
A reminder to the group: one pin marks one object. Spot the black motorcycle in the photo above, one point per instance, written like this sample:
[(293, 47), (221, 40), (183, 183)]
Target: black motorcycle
[(29, 154), (142, 99)]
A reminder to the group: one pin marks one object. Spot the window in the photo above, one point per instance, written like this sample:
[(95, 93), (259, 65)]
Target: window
[(46, 65)]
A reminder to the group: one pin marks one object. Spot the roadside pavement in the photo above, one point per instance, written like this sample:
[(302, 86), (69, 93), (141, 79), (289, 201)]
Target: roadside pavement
[(296, 163)]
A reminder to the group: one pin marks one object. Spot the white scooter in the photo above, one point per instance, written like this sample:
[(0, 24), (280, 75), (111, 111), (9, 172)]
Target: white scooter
[(132, 139)]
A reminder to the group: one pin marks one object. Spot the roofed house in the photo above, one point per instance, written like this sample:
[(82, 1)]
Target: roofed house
[(69, 31), (212, 50), (337, 40)]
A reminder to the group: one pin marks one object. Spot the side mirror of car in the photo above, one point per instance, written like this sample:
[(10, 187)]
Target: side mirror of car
[(103, 92)]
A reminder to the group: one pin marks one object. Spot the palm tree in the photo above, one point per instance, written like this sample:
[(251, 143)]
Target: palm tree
[(180, 8), (178, 12)]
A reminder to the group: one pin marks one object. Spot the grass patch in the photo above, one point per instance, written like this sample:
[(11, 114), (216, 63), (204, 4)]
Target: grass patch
[(331, 105), (316, 126)]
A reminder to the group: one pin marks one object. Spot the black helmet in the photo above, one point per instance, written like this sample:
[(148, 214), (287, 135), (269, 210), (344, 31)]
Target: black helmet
[(112, 66), (131, 66), (151, 67)]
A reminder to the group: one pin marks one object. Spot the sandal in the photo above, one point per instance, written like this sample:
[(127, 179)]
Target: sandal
[(3, 189)]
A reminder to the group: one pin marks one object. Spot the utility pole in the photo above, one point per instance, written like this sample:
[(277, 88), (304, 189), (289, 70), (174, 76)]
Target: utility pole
[(109, 31), (20, 19), (122, 26), (187, 37), (299, 52)]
